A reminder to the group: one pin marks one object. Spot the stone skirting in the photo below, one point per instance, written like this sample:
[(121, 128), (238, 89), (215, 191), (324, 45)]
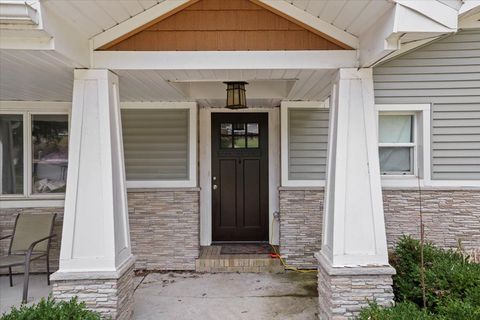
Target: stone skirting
[(111, 296), (300, 225), (7, 221), (164, 228), (449, 216), (343, 292)]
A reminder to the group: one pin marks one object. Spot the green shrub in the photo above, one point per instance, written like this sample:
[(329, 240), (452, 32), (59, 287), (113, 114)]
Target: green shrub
[(401, 311), (50, 310), (448, 276), (452, 285)]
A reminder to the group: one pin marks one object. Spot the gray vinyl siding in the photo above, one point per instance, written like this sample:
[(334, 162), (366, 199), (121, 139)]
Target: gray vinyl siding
[(445, 74), (307, 143), (156, 144)]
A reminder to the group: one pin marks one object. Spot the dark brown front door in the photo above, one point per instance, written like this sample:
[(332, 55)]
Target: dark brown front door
[(240, 176)]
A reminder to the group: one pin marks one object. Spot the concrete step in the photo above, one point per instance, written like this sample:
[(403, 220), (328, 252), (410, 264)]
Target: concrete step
[(212, 261)]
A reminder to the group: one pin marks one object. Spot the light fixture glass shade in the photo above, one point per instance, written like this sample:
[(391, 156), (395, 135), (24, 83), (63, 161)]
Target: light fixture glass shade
[(236, 95)]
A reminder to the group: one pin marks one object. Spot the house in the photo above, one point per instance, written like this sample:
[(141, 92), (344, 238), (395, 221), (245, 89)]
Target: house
[(359, 113)]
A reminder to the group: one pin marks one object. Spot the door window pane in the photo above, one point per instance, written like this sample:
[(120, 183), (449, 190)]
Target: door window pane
[(239, 129), (252, 142), (226, 129), (396, 128), (252, 128), (49, 153), (226, 142), (396, 160), (239, 142), (11, 154)]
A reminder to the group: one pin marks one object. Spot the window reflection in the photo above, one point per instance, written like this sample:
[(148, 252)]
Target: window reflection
[(49, 153)]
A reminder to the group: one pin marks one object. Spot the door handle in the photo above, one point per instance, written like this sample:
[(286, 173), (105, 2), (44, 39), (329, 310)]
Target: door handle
[(215, 187)]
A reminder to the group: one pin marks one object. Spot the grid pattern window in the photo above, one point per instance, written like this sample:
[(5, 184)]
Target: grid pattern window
[(156, 144), (239, 136), (307, 143), (33, 154), (397, 145)]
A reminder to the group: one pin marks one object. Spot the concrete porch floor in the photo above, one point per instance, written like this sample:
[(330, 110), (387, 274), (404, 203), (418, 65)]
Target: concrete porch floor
[(189, 295)]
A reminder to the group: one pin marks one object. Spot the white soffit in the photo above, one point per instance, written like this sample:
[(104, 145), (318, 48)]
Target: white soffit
[(40, 75), (96, 16)]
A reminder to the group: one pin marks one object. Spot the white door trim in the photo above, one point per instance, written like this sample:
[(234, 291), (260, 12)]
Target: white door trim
[(205, 153)]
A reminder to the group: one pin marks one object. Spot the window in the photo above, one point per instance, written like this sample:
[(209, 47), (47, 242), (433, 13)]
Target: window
[(33, 154), (404, 144), (397, 146), (159, 145), (304, 143), (239, 136)]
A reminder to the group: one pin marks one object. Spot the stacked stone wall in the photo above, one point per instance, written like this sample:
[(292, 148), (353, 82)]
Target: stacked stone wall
[(301, 212)]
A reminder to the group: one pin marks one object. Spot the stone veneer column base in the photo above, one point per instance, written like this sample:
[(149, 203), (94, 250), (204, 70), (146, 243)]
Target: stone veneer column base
[(108, 293), (343, 292)]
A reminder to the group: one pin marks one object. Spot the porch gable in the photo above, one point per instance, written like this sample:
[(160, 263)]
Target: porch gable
[(213, 25)]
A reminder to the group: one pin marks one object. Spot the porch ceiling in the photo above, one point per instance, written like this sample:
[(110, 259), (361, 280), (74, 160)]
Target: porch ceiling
[(96, 16), (45, 76)]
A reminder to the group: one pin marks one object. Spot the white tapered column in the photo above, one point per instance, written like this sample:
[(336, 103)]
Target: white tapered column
[(95, 246), (353, 261)]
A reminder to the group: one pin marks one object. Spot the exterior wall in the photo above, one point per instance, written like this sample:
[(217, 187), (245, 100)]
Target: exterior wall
[(7, 221), (164, 228), (446, 74), (301, 225), (449, 215)]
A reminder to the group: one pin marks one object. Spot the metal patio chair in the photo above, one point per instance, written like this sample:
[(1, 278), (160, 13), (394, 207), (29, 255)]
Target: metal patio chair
[(31, 238)]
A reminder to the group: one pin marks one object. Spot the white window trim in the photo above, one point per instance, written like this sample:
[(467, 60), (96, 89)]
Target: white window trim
[(422, 159), (413, 145), (285, 106), (27, 109), (191, 182)]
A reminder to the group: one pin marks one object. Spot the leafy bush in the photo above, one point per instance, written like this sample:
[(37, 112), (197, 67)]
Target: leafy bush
[(51, 310), (452, 285)]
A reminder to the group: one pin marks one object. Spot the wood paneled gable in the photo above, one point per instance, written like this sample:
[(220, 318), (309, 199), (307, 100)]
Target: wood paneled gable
[(224, 25)]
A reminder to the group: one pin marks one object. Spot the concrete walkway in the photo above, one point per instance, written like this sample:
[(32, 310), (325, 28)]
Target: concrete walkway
[(12, 296), (225, 296), (188, 295)]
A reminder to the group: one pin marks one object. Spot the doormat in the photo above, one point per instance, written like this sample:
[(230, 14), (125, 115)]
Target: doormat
[(247, 248)]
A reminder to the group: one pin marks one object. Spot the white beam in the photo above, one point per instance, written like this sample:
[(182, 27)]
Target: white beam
[(137, 21), (313, 22), (385, 36), (434, 10), (17, 12), (223, 60), (67, 40)]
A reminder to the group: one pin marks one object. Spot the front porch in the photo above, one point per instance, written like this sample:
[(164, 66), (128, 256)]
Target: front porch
[(187, 295)]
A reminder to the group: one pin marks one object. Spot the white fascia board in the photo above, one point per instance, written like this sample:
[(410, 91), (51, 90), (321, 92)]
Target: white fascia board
[(313, 22), (18, 12), (434, 10), (223, 60), (135, 22), (468, 6), (385, 36)]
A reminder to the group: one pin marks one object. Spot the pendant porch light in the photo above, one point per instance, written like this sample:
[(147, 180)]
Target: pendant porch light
[(236, 95)]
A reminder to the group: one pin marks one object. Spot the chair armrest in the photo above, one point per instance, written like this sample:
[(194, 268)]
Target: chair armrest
[(6, 237), (32, 246)]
